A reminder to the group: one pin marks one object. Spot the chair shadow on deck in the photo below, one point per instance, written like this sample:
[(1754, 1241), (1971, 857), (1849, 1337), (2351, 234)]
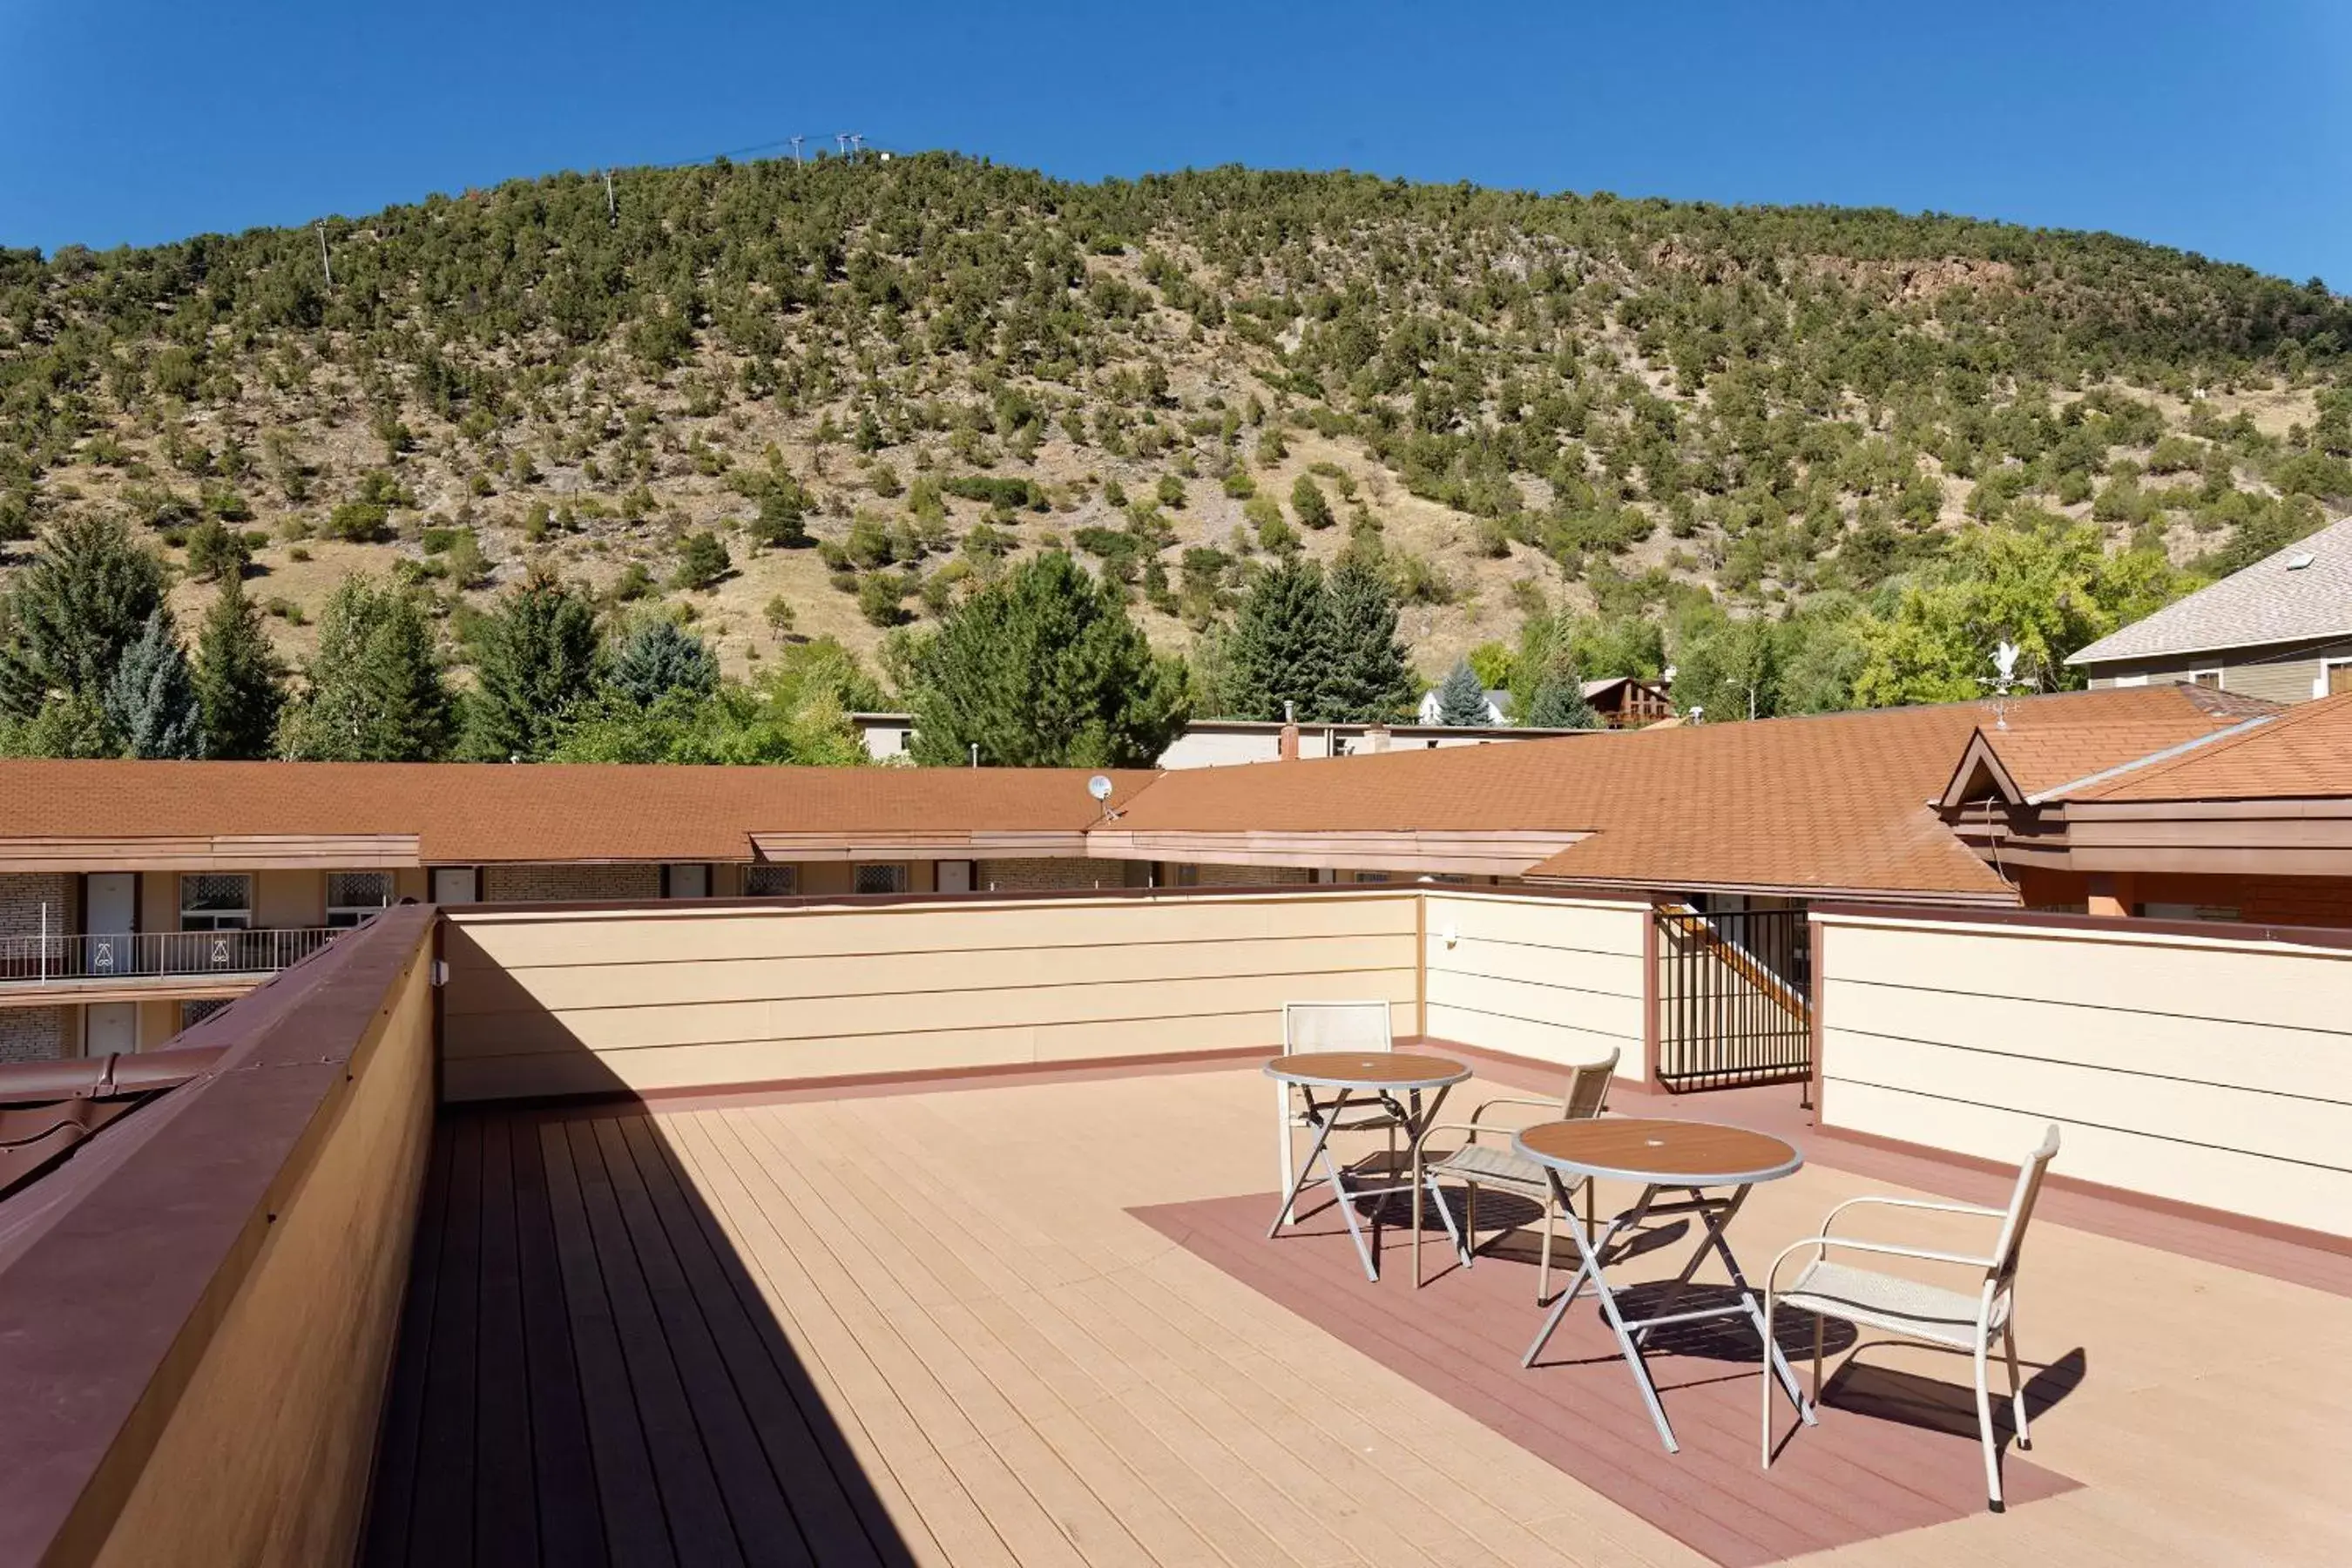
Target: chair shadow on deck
[(589, 1372)]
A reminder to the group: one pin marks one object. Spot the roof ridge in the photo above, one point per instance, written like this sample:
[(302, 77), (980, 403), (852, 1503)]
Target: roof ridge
[(2220, 741), (2159, 758)]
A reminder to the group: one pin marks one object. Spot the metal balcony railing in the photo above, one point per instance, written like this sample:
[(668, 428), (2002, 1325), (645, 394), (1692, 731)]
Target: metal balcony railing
[(39, 960)]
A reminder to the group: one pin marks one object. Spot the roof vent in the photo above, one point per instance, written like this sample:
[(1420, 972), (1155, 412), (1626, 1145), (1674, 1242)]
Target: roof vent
[(2300, 560)]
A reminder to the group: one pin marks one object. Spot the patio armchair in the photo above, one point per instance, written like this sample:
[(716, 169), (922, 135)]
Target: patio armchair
[(1951, 1318), (1332, 1027), (1478, 1165)]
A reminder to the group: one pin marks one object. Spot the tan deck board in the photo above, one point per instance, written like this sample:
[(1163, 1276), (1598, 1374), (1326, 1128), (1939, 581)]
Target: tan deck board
[(1456, 1496), (1022, 1371), (1054, 1391)]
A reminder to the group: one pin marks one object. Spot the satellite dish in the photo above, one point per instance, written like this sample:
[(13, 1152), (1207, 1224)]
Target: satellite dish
[(1099, 787)]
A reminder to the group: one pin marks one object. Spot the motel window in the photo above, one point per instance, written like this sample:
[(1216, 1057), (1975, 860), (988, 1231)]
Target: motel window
[(771, 881), (880, 880), (1188, 876), (216, 900), (195, 1012), (2209, 678), (2335, 677), (354, 896)]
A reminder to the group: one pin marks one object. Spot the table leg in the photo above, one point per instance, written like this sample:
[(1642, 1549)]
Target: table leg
[(1627, 1348), (1324, 1122), (1421, 1122), (1346, 1198), (1590, 1253), (1781, 1367)]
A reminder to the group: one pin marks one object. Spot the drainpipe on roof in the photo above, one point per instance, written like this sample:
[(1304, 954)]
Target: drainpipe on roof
[(1288, 748)]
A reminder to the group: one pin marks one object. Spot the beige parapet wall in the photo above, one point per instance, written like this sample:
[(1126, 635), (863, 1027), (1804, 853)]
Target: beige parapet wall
[(2208, 1070), (583, 1000), (265, 1455), (1556, 980)]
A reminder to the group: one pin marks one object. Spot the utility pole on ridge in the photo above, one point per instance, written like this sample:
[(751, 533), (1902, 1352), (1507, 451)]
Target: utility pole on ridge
[(325, 264)]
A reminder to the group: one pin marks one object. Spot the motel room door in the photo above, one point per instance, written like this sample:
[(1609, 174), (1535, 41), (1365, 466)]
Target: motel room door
[(111, 903), (954, 876)]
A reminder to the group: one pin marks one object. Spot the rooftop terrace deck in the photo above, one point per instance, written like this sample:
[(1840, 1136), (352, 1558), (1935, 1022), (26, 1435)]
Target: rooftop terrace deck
[(1037, 1322)]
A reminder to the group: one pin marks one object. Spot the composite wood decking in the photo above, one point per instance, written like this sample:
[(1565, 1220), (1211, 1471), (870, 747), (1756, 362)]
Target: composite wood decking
[(1039, 1324)]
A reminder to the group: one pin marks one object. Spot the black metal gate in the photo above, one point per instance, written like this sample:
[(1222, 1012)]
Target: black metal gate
[(1735, 998)]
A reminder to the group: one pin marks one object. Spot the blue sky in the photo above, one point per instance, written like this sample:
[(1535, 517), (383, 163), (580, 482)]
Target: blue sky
[(2222, 129)]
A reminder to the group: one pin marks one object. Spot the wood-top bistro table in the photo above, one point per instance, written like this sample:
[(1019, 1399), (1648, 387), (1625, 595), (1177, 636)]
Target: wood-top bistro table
[(1699, 1158), (1356, 1077)]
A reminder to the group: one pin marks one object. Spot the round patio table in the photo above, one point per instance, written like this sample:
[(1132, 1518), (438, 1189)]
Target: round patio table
[(1355, 1078), (1716, 1166)]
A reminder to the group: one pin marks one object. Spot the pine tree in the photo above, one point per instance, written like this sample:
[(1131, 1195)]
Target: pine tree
[(376, 689), (1461, 701), (1371, 680), (537, 661), (86, 597), (240, 684), (1282, 648), (1306, 500), (1560, 704), (151, 698), (1043, 669), (660, 658)]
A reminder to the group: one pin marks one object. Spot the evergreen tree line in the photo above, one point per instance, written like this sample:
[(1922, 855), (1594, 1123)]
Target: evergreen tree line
[(92, 665)]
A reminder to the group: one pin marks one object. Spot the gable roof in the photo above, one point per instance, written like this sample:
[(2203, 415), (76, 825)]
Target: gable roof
[(2272, 600), (2303, 752), (1836, 802)]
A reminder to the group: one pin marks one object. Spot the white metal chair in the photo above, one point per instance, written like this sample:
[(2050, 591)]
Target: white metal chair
[(1331, 1027), (1477, 1164), (1954, 1319)]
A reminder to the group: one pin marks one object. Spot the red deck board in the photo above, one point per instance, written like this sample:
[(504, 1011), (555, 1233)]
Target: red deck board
[(1859, 1476)]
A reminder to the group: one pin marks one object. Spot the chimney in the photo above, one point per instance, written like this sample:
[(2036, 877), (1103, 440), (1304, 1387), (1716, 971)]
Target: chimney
[(1288, 748), (1376, 738)]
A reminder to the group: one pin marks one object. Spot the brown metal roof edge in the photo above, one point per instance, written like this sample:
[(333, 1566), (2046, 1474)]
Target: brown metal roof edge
[(100, 1078), (134, 1257)]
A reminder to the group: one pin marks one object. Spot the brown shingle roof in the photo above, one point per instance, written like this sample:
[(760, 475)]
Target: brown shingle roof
[(1832, 802), (465, 813), (2303, 754)]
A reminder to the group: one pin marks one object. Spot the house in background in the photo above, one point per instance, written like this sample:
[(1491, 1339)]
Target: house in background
[(1220, 742), (2281, 629), (1629, 702), (1498, 707)]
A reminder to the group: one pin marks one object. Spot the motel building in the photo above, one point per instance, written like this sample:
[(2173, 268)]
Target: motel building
[(425, 1164)]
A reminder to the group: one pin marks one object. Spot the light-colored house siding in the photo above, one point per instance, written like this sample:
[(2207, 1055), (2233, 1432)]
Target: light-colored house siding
[(2209, 1070), (2292, 674)]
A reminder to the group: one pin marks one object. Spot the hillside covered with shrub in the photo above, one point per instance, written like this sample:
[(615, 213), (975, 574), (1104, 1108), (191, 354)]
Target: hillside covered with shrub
[(1810, 457)]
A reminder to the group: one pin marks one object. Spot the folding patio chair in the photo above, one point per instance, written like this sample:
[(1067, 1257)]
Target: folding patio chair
[(1954, 1319), (1331, 1027), (1477, 1164)]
